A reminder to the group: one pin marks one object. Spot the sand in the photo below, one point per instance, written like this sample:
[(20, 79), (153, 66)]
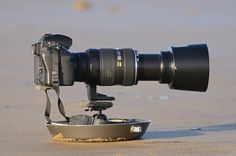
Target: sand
[(60, 138), (183, 123)]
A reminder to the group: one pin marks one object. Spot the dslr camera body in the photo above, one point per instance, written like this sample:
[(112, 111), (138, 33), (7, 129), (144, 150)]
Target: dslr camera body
[(51, 59)]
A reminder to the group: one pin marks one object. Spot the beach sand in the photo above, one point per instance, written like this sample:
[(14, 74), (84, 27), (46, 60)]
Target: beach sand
[(183, 123)]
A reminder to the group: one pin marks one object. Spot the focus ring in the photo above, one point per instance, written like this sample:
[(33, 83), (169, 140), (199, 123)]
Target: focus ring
[(129, 67), (107, 67)]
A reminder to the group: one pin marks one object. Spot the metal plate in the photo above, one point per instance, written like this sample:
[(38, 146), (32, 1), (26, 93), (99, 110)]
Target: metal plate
[(116, 130)]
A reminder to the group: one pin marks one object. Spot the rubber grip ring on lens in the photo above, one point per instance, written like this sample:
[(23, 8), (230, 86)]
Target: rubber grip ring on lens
[(107, 67), (129, 67)]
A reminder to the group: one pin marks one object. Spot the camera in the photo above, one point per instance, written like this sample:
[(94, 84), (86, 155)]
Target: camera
[(184, 68)]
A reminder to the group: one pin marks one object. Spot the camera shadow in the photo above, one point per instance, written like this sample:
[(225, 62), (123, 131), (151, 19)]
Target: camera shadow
[(171, 134)]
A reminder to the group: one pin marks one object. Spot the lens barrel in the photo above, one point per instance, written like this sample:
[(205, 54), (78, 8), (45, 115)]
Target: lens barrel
[(183, 68)]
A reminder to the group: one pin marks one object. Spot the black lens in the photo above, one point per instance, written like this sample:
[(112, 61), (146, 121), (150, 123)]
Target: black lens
[(185, 68)]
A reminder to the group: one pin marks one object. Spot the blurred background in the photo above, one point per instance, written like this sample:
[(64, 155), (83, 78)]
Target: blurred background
[(148, 26)]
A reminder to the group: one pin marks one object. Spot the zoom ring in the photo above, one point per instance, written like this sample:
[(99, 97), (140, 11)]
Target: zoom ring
[(107, 67)]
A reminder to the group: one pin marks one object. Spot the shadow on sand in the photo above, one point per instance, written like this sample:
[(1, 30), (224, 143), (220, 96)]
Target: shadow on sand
[(188, 132)]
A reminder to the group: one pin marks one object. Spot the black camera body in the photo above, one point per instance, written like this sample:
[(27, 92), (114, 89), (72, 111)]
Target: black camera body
[(53, 65)]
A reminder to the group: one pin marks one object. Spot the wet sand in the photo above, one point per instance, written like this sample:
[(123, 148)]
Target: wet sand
[(183, 123)]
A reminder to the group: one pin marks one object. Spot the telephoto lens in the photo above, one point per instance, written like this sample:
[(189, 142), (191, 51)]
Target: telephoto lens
[(184, 68)]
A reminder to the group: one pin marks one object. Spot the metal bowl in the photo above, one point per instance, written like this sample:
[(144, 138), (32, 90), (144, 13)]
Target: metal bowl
[(116, 130)]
